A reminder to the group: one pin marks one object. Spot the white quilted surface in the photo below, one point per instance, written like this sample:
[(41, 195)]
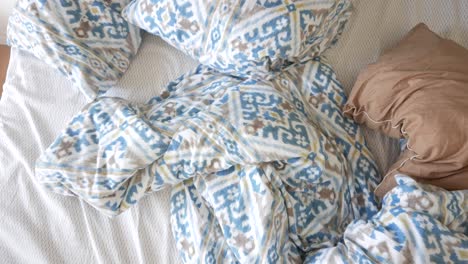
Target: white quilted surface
[(41, 227), (37, 226)]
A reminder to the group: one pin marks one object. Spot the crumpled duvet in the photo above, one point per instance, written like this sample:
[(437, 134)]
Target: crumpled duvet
[(260, 171), (418, 223)]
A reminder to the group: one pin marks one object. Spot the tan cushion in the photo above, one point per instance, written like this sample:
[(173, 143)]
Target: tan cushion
[(419, 90)]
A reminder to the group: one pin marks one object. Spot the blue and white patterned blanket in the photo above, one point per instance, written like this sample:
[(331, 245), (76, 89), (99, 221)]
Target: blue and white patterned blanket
[(87, 40), (261, 172)]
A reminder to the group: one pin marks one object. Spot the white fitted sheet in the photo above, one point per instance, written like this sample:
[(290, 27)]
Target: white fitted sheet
[(37, 226)]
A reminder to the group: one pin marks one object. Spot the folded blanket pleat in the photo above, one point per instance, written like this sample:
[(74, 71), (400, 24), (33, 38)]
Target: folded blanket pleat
[(260, 171)]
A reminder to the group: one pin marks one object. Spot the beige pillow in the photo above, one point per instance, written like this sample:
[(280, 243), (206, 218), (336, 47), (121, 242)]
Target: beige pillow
[(419, 91)]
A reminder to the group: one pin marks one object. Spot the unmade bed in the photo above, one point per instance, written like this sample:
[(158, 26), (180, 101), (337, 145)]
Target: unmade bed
[(42, 227)]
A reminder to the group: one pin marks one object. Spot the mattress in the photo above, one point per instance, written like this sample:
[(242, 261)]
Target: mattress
[(42, 227)]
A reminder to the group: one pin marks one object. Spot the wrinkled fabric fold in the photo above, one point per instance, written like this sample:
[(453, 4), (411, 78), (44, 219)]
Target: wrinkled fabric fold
[(418, 223), (87, 41), (258, 169)]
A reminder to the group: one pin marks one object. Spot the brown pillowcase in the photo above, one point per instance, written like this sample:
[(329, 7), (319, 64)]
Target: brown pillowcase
[(419, 91)]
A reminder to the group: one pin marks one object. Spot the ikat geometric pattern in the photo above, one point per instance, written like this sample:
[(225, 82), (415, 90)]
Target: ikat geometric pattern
[(88, 40), (246, 38), (259, 169)]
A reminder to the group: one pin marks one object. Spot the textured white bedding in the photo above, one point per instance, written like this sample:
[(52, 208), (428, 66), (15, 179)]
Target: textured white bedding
[(37, 226)]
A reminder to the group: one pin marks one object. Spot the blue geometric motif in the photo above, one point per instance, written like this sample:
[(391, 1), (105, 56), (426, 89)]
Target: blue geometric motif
[(259, 170), (244, 38), (88, 41)]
